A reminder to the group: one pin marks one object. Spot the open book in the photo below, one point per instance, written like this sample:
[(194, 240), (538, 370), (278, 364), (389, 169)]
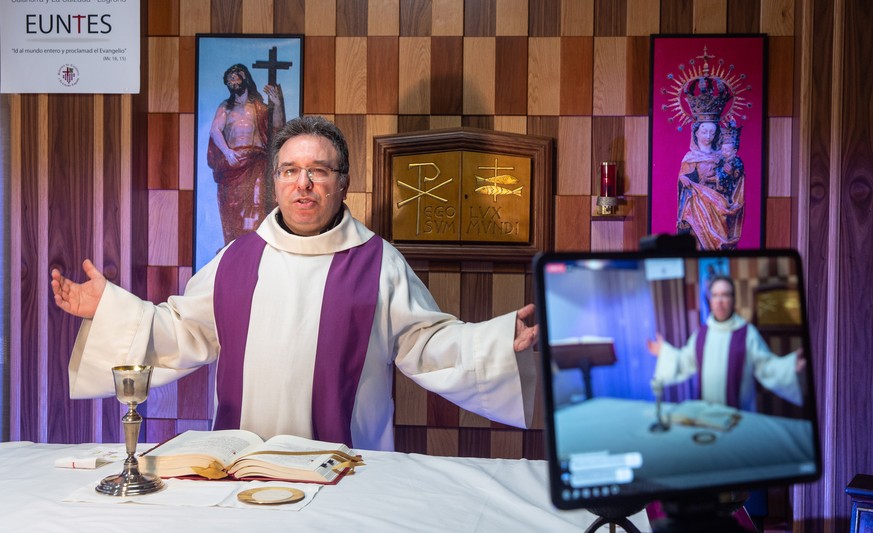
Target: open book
[(240, 454), (705, 414)]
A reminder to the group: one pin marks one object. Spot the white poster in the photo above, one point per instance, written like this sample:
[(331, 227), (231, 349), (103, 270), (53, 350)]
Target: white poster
[(69, 46)]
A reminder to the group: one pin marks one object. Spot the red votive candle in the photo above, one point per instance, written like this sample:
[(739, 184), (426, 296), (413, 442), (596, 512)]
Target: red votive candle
[(608, 179)]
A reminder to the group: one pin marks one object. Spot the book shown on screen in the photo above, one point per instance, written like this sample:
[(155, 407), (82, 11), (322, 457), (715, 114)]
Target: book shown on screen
[(700, 413), (241, 454)]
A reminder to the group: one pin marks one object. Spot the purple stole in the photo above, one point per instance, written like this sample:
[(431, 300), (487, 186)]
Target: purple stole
[(347, 314), (736, 364)]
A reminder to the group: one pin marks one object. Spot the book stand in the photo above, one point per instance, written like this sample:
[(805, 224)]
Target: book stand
[(584, 356)]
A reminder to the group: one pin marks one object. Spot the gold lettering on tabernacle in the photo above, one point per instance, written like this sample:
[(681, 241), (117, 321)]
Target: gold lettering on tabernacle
[(461, 197), (427, 197), (496, 198)]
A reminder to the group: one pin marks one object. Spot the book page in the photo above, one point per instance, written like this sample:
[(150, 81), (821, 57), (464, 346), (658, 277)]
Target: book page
[(318, 466), (224, 446)]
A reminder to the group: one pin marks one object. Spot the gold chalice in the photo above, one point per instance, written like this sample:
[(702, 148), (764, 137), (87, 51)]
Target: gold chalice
[(131, 388)]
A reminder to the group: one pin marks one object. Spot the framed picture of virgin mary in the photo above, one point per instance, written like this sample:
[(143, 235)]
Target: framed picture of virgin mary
[(706, 125)]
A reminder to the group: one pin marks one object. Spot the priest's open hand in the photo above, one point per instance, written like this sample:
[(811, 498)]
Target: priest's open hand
[(525, 336), (79, 299), (654, 346)]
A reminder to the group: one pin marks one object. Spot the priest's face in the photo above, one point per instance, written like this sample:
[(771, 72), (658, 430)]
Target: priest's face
[(308, 206), (721, 300)]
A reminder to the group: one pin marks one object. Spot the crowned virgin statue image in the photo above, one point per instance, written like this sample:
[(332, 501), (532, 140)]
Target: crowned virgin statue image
[(711, 175)]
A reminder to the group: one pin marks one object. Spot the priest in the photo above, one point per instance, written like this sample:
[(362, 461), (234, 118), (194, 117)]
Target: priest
[(727, 355), (306, 318)]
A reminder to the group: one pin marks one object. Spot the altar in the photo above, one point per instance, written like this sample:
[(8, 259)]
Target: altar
[(392, 492)]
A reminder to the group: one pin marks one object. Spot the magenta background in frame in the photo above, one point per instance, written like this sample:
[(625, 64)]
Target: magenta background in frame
[(669, 146)]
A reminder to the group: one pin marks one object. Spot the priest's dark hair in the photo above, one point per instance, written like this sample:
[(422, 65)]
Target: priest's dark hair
[(721, 277), (313, 125)]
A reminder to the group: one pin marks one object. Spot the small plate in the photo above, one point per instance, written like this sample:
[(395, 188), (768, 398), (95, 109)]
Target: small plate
[(270, 495)]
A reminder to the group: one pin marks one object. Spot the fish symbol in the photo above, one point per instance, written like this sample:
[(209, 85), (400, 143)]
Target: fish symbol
[(503, 179), (495, 191)]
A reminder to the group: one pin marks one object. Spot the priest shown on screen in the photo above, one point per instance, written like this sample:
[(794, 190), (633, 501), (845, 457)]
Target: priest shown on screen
[(726, 356)]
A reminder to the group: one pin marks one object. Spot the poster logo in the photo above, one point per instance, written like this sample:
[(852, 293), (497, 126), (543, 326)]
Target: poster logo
[(68, 75)]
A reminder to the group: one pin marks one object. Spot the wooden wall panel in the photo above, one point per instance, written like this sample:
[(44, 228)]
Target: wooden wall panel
[(351, 75), (507, 444), (511, 124), (187, 61), (572, 223), (414, 76), (709, 16), (61, 239), (610, 19), (543, 94), (511, 69), (257, 16), (320, 67), (577, 64), (779, 162), (194, 17), (574, 156), (351, 18), (377, 125), (545, 18), (446, 75), (441, 413), (610, 78), (512, 16), (637, 74), (412, 411), (778, 232), (677, 16), (382, 75), (320, 18), (636, 222), (447, 18), (442, 442), (163, 81), (163, 248), (476, 294), (479, 75), (383, 18), (577, 18), (851, 310), (186, 151), (163, 147), (415, 18), (163, 17), (289, 16), (473, 442), (744, 16), (479, 18), (777, 17), (780, 76), (226, 16), (507, 293), (643, 17), (635, 174), (186, 230)]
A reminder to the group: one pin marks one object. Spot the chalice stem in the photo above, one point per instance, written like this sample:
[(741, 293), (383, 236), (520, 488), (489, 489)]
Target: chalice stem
[(132, 422)]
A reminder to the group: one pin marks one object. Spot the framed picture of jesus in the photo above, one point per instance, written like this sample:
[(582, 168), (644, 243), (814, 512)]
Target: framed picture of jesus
[(247, 87), (706, 125)]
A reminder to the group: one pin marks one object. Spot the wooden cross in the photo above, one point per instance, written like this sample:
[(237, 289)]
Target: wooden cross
[(272, 64)]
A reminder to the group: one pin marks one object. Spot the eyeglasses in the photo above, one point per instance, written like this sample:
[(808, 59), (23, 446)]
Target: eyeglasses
[(290, 173)]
